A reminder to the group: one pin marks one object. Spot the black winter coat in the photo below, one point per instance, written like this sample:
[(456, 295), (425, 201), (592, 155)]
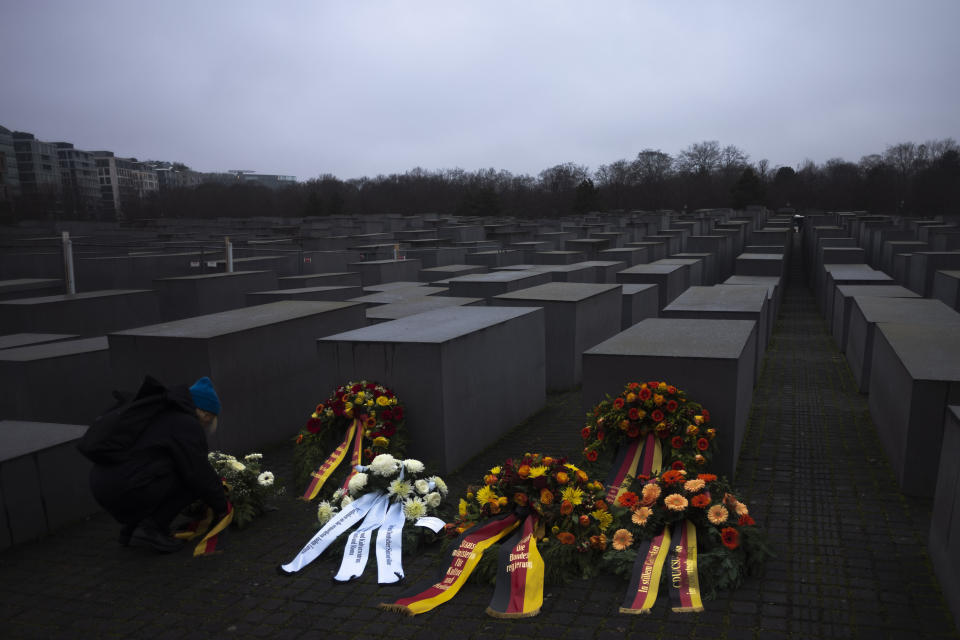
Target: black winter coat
[(168, 459)]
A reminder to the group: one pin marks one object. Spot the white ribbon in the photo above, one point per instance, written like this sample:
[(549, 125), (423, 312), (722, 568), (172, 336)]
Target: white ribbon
[(358, 544), (350, 515), (434, 524), (390, 546)]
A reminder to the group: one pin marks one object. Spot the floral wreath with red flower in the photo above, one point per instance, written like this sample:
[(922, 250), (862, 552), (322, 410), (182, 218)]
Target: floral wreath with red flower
[(730, 544), (683, 427), (574, 520), (382, 418)]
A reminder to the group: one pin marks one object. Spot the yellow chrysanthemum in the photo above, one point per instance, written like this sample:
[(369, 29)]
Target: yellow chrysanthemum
[(537, 471), (485, 494), (462, 508), (495, 470), (359, 398), (603, 518), (383, 401), (573, 494), (572, 467)]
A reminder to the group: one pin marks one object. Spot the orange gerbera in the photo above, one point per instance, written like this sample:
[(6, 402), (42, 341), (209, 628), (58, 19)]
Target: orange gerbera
[(703, 444), (565, 537), (717, 514), (650, 493), (707, 477), (730, 537), (585, 433), (746, 520), (592, 456), (634, 413), (675, 502), (622, 539), (640, 515), (672, 476), (644, 394), (618, 403)]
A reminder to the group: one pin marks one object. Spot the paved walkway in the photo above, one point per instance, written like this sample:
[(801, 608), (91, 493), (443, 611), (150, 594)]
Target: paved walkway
[(852, 560)]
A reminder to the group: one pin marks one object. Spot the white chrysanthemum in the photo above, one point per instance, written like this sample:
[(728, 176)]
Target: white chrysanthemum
[(337, 495), (325, 511), (265, 479), (357, 483), (422, 487), (433, 500), (236, 465), (213, 455), (399, 488), (384, 465), (253, 457), (346, 501), (414, 508), (413, 466), (440, 484)]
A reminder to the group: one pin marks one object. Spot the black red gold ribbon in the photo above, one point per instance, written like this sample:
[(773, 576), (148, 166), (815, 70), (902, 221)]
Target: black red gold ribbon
[(675, 547), (520, 572), (207, 545), (333, 461), (637, 458), (463, 559)]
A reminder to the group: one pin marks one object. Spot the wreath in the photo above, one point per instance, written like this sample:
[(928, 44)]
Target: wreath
[(730, 544), (359, 421), (573, 519), (683, 427)]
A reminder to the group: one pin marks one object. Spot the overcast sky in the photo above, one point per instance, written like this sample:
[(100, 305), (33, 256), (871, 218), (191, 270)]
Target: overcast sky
[(362, 88)]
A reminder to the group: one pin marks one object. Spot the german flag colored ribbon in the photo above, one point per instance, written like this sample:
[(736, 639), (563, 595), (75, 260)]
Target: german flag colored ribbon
[(638, 457), (519, 590), (330, 465), (684, 581), (357, 457), (647, 571), (208, 545), (463, 559)]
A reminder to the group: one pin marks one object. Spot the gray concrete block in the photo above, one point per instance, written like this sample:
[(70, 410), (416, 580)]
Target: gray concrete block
[(759, 264), (397, 310), (66, 381), (604, 271), (467, 375), (923, 266), (914, 377), (946, 288), (774, 286), (22, 499), (65, 483), (29, 287), (14, 340), (487, 285), (577, 317), (335, 293), (727, 302), (495, 258), (628, 255), (833, 275), (392, 296), (709, 273), (944, 538), (337, 279), (197, 295), (88, 314), (557, 257), (639, 302), (842, 302), (251, 354), (712, 360), (380, 271), (867, 311), (695, 265), (671, 279), (432, 274)]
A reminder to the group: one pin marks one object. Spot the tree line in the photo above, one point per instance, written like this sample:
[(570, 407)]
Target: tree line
[(907, 178)]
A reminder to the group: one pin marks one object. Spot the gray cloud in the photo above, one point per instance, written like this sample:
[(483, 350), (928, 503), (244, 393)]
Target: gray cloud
[(354, 89)]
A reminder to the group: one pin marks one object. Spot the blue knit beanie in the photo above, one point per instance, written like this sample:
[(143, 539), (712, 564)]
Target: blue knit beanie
[(204, 396)]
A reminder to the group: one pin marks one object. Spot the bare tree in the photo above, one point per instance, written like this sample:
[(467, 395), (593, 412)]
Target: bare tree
[(653, 165), (700, 158)]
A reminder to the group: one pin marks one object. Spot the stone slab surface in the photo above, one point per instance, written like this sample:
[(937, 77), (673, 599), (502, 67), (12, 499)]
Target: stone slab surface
[(15, 340)]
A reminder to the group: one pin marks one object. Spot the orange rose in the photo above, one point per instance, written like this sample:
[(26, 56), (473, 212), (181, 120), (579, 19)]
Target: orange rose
[(582, 476), (565, 537), (584, 521), (566, 507), (600, 505), (523, 471), (598, 542), (562, 477), (548, 461), (546, 497), (520, 498), (490, 479)]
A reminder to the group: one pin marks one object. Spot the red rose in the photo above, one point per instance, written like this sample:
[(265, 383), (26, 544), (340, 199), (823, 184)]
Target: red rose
[(671, 389), (672, 405), (703, 444), (386, 414), (371, 385), (388, 393), (676, 442), (591, 456), (314, 425), (633, 385), (706, 415), (653, 384), (585, 433), (746, 520), (657, 415), (730, 537), (398, 413), (618, 403), (644, 394), (678, 465), (355, 388)]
